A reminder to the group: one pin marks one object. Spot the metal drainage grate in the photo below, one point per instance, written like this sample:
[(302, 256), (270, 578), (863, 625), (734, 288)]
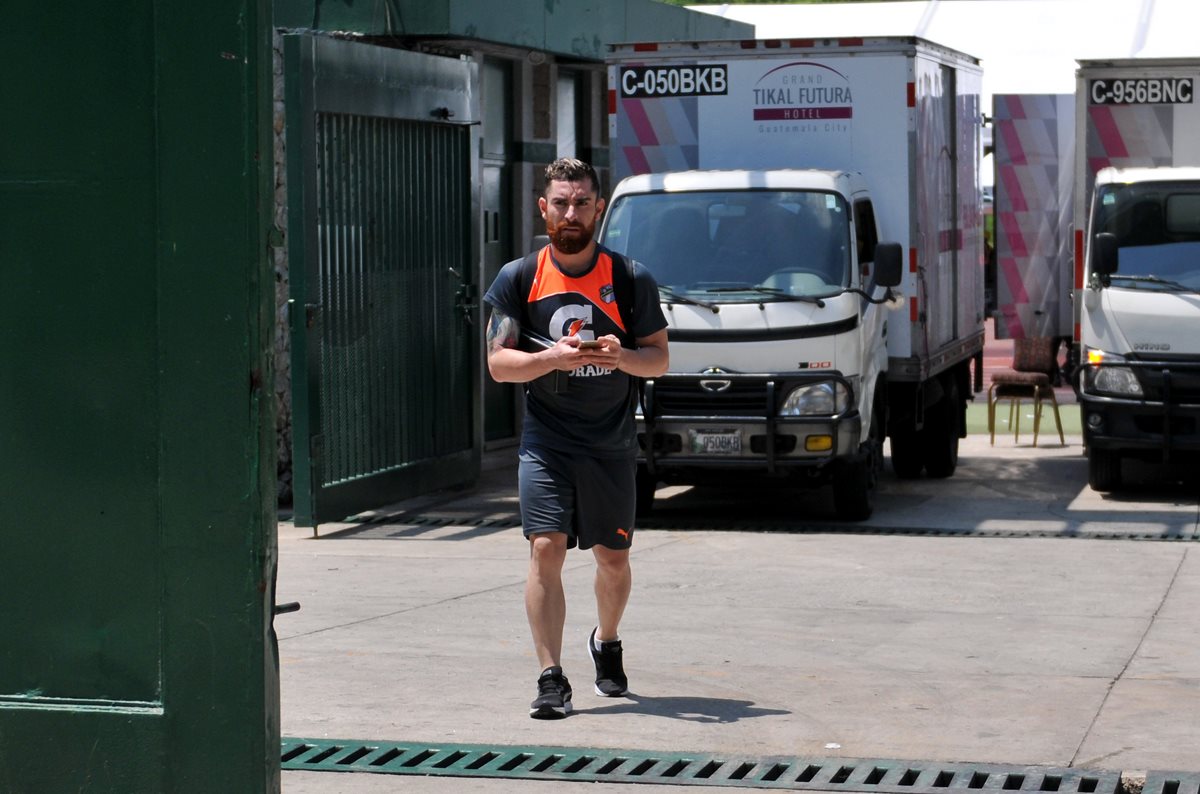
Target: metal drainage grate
[(700, 769), (831, 527), (1172, 783), (414, 522), (447, 521)]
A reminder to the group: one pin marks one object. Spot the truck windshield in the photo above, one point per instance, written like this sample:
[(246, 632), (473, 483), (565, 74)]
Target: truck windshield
[(1157, 226), (736, 246)]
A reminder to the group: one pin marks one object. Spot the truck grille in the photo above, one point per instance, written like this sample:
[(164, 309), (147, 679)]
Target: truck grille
[(687, 398)]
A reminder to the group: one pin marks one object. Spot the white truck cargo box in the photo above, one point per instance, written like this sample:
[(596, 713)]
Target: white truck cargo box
[(1033, 138), (903, 111), (1131, 113)]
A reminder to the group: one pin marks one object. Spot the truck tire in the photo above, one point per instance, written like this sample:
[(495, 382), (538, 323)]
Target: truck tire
[(939, 438), (1104, 469), (854, 490), (644, 488), (854, 482), (907, 457)]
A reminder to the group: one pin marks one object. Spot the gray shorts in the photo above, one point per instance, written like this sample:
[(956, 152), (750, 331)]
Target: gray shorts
[(592, 500)]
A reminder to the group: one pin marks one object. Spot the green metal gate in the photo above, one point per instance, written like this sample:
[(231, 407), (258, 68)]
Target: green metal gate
[(383, 259)]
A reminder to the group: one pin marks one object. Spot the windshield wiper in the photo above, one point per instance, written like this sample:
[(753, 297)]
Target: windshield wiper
[(675, 297), (1174, 285), (774, 292)]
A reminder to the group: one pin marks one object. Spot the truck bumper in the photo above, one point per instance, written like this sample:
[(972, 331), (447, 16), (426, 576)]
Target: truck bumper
[(674, 450), (1152, 431), (697, 428)]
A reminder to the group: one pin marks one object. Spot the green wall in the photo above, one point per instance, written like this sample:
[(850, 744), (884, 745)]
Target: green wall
[(574, 28)]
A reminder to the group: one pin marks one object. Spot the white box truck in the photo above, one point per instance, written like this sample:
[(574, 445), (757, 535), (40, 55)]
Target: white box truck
[(811, 211), (1138, 262)]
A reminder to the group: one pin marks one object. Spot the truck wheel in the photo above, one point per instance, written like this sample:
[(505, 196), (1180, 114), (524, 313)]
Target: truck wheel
[(854, 490), (645, 487), (1104, 469), (940, 436), (907, 457), (854, 482)]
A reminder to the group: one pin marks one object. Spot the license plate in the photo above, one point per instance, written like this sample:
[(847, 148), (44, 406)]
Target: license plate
[(716, 442)]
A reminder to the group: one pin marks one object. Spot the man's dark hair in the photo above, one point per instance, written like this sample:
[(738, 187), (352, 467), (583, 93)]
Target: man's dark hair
[(569, 169)]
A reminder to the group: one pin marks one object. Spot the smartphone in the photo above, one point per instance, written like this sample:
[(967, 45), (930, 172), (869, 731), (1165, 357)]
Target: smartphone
[(589, 344)]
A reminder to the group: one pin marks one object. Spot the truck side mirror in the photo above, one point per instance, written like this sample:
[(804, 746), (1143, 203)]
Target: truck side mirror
[(888, 263), (1104, 254)]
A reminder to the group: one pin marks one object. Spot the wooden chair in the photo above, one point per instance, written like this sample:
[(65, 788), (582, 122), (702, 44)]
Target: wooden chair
[(1029, 378)]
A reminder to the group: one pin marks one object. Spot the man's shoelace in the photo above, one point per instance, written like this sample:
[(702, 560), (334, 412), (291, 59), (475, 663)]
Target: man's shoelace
[(549, 685)]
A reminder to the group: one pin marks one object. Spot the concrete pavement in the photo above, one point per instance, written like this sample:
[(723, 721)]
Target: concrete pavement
[(1007, 615)]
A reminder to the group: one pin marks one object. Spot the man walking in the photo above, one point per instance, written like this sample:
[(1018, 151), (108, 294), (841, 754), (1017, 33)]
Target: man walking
[(577, 324)]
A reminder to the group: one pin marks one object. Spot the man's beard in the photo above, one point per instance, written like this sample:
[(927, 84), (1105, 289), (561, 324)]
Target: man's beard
[(570, 243)]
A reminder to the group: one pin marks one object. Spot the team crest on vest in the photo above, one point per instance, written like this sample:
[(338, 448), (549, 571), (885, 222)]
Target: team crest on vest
[(607, 293)]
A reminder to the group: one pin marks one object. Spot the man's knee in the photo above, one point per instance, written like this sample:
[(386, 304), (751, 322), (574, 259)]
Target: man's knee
[(611, 560), (548, 549)]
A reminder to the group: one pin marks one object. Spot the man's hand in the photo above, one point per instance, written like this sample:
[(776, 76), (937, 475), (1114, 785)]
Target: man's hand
[(606, 353)]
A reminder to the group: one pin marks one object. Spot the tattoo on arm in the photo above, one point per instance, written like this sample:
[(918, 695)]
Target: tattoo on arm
[(502, 332)]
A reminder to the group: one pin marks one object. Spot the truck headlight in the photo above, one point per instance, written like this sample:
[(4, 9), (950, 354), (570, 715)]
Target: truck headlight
[(817, 399), (1102, 377)]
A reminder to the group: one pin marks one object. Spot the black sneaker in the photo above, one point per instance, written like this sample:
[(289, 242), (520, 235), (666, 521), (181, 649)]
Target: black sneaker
[(553, 701), (610, 674)]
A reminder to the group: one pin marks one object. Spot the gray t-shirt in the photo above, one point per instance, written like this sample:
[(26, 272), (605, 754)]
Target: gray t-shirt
[(594, 415)]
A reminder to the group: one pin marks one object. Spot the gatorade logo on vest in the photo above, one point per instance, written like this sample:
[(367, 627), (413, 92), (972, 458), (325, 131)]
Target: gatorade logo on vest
[(596, 287)]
